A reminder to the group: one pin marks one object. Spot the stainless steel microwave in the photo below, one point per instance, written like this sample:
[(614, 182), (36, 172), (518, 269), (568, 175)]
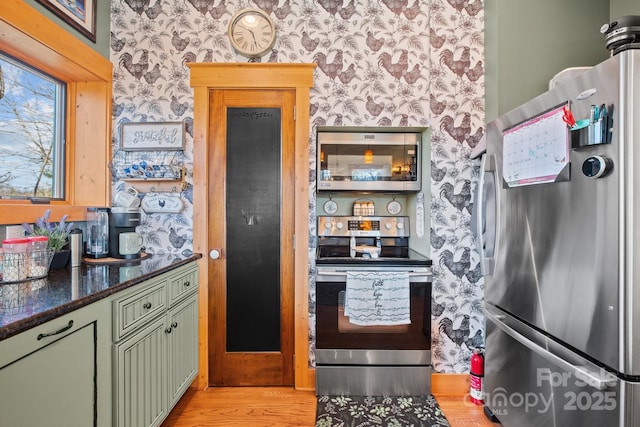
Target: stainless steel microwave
[(368, 161)]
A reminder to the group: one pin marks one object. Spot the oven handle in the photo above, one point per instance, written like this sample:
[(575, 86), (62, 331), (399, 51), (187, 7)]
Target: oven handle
[(330, 276)]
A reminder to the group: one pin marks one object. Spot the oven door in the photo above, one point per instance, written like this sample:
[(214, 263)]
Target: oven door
[(340, 342)]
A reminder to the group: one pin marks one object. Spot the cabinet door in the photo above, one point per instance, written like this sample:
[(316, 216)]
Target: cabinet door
[(183, 347), (55, 385), (140, 384)]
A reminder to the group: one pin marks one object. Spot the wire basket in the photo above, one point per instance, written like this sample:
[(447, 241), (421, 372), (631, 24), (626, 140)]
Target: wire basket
[(21, 266)]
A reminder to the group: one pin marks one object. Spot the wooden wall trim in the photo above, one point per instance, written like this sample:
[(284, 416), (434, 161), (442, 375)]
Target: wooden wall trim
[(203, 78), (28, 35), (32, 37)]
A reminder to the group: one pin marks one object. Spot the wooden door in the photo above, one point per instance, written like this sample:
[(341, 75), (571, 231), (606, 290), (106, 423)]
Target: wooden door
[(250, 187)]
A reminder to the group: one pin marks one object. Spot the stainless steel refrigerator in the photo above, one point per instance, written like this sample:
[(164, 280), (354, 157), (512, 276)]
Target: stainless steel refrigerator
[(560, 221)]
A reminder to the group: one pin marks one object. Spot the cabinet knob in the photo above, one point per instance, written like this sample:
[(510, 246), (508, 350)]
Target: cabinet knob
[(168, 330), (187, 283), (174, 325), (214, 254), (146, 305)]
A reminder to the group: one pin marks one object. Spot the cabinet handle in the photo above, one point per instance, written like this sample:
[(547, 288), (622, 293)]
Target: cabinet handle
[(174, 325), (146, 305), (59, 331), (187, 283), (168, 330)]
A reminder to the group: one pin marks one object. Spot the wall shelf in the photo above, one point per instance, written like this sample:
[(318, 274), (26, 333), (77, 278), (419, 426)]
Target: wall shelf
[(150, 171)]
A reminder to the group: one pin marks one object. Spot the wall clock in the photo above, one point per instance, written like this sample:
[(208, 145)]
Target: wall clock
[(251, 32)]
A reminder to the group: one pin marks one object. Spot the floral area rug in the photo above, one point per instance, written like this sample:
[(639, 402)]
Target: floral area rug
[(387, 411)]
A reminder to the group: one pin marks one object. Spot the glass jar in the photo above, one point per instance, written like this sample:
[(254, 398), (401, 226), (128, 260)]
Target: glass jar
[(37, 243), (37, 256), (97, 233), (14, 267)]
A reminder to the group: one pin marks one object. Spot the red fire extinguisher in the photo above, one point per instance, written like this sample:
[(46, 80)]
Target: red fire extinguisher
[(477, 374)]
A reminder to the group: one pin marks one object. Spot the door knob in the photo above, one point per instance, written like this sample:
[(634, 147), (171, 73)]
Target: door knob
[(214, 254)]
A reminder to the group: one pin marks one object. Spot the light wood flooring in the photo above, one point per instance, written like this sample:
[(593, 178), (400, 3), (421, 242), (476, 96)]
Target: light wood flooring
[(282, 407)]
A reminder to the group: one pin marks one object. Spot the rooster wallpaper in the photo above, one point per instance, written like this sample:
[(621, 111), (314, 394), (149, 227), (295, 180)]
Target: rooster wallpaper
[(379, 63)]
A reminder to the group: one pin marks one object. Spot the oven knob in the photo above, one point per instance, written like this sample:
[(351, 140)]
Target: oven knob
[(388, 226), (327, 224), (339, 225), (400, 225)]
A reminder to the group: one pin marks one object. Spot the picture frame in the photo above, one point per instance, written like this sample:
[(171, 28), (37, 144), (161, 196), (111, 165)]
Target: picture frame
[(79, 14), (150, 136)]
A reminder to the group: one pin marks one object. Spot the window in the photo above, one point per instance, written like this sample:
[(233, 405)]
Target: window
[(38, 42), (31, 132)]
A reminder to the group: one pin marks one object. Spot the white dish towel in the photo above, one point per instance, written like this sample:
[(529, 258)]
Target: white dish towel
[(377, 298)]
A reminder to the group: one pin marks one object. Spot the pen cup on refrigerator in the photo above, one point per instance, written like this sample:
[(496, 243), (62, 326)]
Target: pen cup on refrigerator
[(580, 133)]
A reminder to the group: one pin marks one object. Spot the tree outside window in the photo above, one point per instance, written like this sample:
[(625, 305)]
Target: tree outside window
[(31, 118)]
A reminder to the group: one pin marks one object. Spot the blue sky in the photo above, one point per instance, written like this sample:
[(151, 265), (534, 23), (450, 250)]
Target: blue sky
[(18, 153)]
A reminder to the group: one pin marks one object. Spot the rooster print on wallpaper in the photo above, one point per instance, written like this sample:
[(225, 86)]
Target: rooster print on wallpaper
[(378, 63)]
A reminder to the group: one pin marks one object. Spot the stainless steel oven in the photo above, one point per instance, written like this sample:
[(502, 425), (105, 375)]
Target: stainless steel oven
[(352, 359)]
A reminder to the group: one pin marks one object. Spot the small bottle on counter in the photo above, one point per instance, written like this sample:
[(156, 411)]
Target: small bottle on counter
[(76, 247)]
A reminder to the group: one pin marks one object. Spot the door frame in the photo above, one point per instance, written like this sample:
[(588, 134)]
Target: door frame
[(298, 77)]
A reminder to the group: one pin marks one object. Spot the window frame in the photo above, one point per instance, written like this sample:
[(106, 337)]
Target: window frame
[(30, 37)]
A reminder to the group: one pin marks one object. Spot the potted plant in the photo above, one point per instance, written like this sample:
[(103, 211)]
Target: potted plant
[(58, 235)]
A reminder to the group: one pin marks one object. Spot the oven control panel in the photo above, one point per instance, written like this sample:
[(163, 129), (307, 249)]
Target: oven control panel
[(371, 226)]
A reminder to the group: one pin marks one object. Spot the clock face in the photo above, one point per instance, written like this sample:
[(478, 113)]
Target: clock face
[(252, 32)]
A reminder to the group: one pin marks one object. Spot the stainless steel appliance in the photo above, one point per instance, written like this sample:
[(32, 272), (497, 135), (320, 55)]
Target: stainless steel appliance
[(559, 238), (362, 159), (124, 243), (375, 359)]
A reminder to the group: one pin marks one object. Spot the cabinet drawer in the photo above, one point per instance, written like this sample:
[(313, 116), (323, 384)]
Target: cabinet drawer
[(43, 335), (136, 309), (182, 284)]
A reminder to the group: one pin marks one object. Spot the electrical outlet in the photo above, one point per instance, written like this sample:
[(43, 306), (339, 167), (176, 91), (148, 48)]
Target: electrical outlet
[(15, 231)]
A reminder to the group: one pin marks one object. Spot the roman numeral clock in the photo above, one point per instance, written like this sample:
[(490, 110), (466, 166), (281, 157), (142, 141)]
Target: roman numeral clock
[(251, 32)]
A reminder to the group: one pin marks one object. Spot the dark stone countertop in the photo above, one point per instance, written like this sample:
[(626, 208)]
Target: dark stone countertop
[(24, 305)]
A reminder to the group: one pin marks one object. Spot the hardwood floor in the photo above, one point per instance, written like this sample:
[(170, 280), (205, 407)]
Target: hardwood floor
[(282, 407)]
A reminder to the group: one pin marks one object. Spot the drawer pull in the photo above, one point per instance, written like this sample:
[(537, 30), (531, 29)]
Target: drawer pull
[(146, 305), (171, 328), (66, 328), (187, 283)]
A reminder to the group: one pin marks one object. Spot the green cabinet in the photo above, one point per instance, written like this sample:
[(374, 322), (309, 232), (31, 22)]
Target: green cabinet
[(156, 346), (58, 373)]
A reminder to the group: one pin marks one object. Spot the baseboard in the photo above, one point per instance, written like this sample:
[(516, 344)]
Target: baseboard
[(449, 384), (441, 384)]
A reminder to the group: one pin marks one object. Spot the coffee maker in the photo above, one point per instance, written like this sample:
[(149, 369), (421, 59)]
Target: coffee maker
[(124, 242)]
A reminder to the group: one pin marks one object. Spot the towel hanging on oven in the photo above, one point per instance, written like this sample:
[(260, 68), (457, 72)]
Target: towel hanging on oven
[(377, 298)]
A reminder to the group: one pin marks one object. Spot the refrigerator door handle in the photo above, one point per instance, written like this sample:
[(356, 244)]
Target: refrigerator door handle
[(486, 220), (601, 380)]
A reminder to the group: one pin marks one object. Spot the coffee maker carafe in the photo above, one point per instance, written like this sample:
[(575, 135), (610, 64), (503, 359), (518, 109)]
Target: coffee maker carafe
[(97, 245), (124, 242)]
